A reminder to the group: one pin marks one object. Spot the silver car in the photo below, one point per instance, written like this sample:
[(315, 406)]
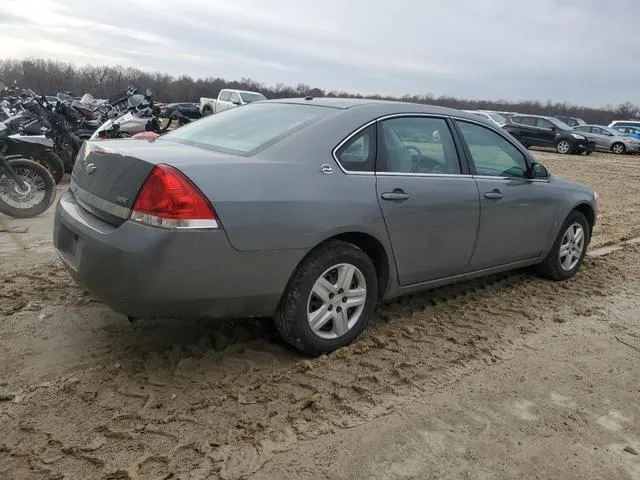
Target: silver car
[(312, 211), (610, 140)]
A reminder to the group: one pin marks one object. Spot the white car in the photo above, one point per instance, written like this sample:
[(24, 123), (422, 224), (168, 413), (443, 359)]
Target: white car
[(228, 98)]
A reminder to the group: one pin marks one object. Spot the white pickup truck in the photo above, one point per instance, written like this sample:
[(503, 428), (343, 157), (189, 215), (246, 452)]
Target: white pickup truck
[(228, 99)]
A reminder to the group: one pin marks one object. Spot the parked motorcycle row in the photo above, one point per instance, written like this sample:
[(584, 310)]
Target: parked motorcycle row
[(40, 137)]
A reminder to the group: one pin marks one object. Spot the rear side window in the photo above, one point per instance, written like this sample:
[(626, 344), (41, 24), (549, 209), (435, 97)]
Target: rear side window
[(247, 129), (358, 153)]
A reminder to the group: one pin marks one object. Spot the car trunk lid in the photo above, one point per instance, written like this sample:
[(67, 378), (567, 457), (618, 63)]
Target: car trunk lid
[(108, 174)]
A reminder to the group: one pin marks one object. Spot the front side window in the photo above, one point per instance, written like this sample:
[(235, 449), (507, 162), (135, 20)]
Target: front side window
[(225, 95), (358, 153), (416, 145), (250, 128), (529, 121), (235, 97), (491, 153), (542, 123)]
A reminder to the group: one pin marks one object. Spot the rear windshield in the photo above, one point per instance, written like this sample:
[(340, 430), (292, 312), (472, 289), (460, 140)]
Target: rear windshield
[(247, 129)]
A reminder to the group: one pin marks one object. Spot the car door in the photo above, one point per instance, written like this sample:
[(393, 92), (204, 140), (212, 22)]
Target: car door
[(516, 212), (546, 132), (603, 138), (224, 101), (428, 199)]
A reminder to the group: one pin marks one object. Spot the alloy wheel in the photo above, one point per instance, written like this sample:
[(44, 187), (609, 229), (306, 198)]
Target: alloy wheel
[(336, 301), (572, 247), (563, 146)]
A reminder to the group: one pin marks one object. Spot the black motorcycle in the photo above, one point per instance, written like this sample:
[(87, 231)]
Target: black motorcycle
[(27, 188)]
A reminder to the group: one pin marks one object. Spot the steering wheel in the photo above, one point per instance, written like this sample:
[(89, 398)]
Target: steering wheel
[(411, 148)]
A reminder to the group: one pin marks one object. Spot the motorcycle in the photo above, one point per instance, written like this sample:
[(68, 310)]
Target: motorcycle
[(30, 143), (27, 188)]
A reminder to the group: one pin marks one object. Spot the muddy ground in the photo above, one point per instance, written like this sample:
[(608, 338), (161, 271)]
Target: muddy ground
[(507, 377)]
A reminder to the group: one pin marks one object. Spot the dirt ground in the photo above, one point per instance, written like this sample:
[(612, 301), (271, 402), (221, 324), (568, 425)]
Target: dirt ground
[(507, 377)]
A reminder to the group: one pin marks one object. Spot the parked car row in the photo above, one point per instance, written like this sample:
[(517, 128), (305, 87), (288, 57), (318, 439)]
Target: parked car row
[(567, 134)]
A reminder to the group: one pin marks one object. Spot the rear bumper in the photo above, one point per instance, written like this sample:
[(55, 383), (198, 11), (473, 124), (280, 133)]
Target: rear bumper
[(148, 272)]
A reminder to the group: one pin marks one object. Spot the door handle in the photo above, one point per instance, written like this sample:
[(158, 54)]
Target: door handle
[(494, 195), (397, 195)]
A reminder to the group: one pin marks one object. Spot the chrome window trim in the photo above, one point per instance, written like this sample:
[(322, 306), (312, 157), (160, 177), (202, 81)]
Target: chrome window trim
[(428, 115), (428, 175), (334, 152)]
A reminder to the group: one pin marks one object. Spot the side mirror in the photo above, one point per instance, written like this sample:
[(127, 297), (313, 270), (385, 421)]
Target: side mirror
[(235, 101), (539, 171)]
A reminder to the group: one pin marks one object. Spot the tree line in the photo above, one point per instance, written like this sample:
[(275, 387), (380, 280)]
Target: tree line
[(49, 77)]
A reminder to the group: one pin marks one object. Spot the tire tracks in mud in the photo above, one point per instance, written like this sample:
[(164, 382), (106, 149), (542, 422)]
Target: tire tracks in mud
[(229, 402)]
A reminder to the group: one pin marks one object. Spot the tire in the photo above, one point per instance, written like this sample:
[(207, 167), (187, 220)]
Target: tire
[(563, 147), (618, 148), (206, 111), (300, 301), (39, 180), (52, 162), (553, 266)]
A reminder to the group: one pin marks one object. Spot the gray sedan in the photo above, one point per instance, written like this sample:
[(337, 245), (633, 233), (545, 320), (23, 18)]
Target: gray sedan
[(610, 139), (312, 211)]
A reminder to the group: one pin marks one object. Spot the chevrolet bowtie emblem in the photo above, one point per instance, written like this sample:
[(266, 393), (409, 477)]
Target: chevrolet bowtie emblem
[(90, 168)]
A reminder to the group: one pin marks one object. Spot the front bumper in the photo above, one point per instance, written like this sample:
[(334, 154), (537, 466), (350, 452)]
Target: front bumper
[(148, 272), (582, 146)]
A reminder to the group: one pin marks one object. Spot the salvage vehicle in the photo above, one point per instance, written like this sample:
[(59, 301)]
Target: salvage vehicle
[(186, 109), (228, 98), (312, 211), (539, 131), (610, 139)]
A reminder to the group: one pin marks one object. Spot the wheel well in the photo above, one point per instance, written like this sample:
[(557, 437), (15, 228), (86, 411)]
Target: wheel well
[(374, 249), (587, 211)]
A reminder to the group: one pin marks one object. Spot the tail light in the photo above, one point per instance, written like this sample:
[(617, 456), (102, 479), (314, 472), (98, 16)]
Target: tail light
[(146, 135), (168, 199)]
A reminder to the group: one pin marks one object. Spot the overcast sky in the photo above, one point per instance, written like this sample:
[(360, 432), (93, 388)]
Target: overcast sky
[(580, 51)]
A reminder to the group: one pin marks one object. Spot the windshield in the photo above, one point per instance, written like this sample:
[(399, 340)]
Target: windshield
[(612, 131), (246, 129), (248, 97), (497, 117), (135, 100), (64, 97)]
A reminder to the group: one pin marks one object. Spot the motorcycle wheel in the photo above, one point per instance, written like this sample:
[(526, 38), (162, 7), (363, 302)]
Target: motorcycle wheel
[(36, 198), (52, 162)]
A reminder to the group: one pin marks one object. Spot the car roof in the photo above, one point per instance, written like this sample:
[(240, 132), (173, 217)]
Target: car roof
[(377, 107)]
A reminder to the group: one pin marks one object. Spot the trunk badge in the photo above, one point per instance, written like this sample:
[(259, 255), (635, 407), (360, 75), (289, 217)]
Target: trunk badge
[(90, 168)]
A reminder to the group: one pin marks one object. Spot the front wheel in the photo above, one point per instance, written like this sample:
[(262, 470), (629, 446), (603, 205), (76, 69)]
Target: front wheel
[(329, 299), (618, 148), (565, 257), (563, 147), (34, 198)]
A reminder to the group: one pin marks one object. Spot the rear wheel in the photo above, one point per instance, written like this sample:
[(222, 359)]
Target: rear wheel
[(34, 198), (568, 251), (618, 148), (563, 146), (329, 299)]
